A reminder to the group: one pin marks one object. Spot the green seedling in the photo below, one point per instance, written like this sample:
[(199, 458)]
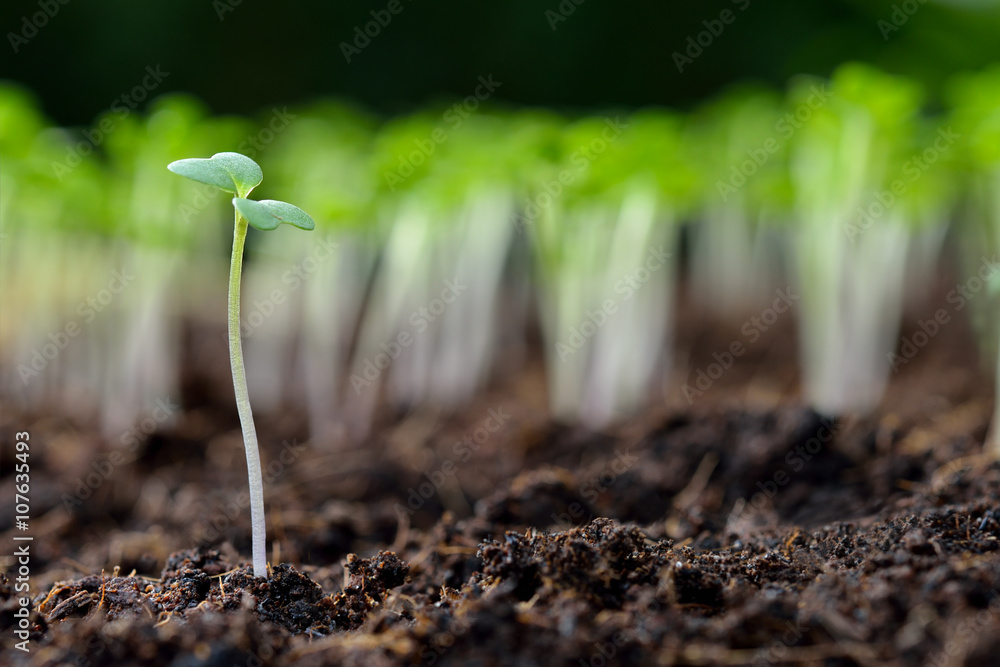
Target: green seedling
[(238, 174)]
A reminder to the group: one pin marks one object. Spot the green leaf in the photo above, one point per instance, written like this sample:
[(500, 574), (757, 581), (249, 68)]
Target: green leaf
[(267, 214), (231, 172)]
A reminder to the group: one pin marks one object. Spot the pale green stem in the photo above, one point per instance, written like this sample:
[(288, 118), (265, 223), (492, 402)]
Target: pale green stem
[(243, 403)]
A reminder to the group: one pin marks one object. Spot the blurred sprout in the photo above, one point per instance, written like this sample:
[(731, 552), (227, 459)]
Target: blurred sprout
[(847, 185)]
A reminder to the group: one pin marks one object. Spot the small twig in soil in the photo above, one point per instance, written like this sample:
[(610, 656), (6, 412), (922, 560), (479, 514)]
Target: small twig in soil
[(699, 480), (450, 550), (402, 533), (790, 541), (101, 603), (976, 462), (77, 602), (58, 588)]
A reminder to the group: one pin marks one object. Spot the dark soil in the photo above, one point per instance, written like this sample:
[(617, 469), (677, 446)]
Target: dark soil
[(742, 529)]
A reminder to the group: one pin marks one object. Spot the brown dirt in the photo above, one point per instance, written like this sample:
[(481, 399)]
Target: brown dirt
[(741, 529)]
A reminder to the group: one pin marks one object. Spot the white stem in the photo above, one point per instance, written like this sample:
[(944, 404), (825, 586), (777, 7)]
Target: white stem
[(243, 404)]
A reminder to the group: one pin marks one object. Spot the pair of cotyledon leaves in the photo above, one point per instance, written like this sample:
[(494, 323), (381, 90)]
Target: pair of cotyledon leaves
[(238, 174)]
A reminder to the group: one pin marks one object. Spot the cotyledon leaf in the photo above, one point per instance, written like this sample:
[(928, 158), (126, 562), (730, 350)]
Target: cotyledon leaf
[(267, 214), (231, 172)]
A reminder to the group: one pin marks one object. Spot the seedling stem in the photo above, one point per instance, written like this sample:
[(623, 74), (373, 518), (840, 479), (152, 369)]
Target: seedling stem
[(256, 479)]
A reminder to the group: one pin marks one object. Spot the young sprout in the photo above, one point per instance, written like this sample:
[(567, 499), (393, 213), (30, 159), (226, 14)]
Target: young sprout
[(238, 174), (736, 142), (976, 113), (851, 241)]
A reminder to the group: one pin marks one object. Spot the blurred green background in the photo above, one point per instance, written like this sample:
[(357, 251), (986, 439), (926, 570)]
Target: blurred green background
[(413, 59), (242, 55)]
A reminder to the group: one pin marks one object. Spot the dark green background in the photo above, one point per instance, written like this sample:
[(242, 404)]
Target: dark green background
[(605, 54)]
